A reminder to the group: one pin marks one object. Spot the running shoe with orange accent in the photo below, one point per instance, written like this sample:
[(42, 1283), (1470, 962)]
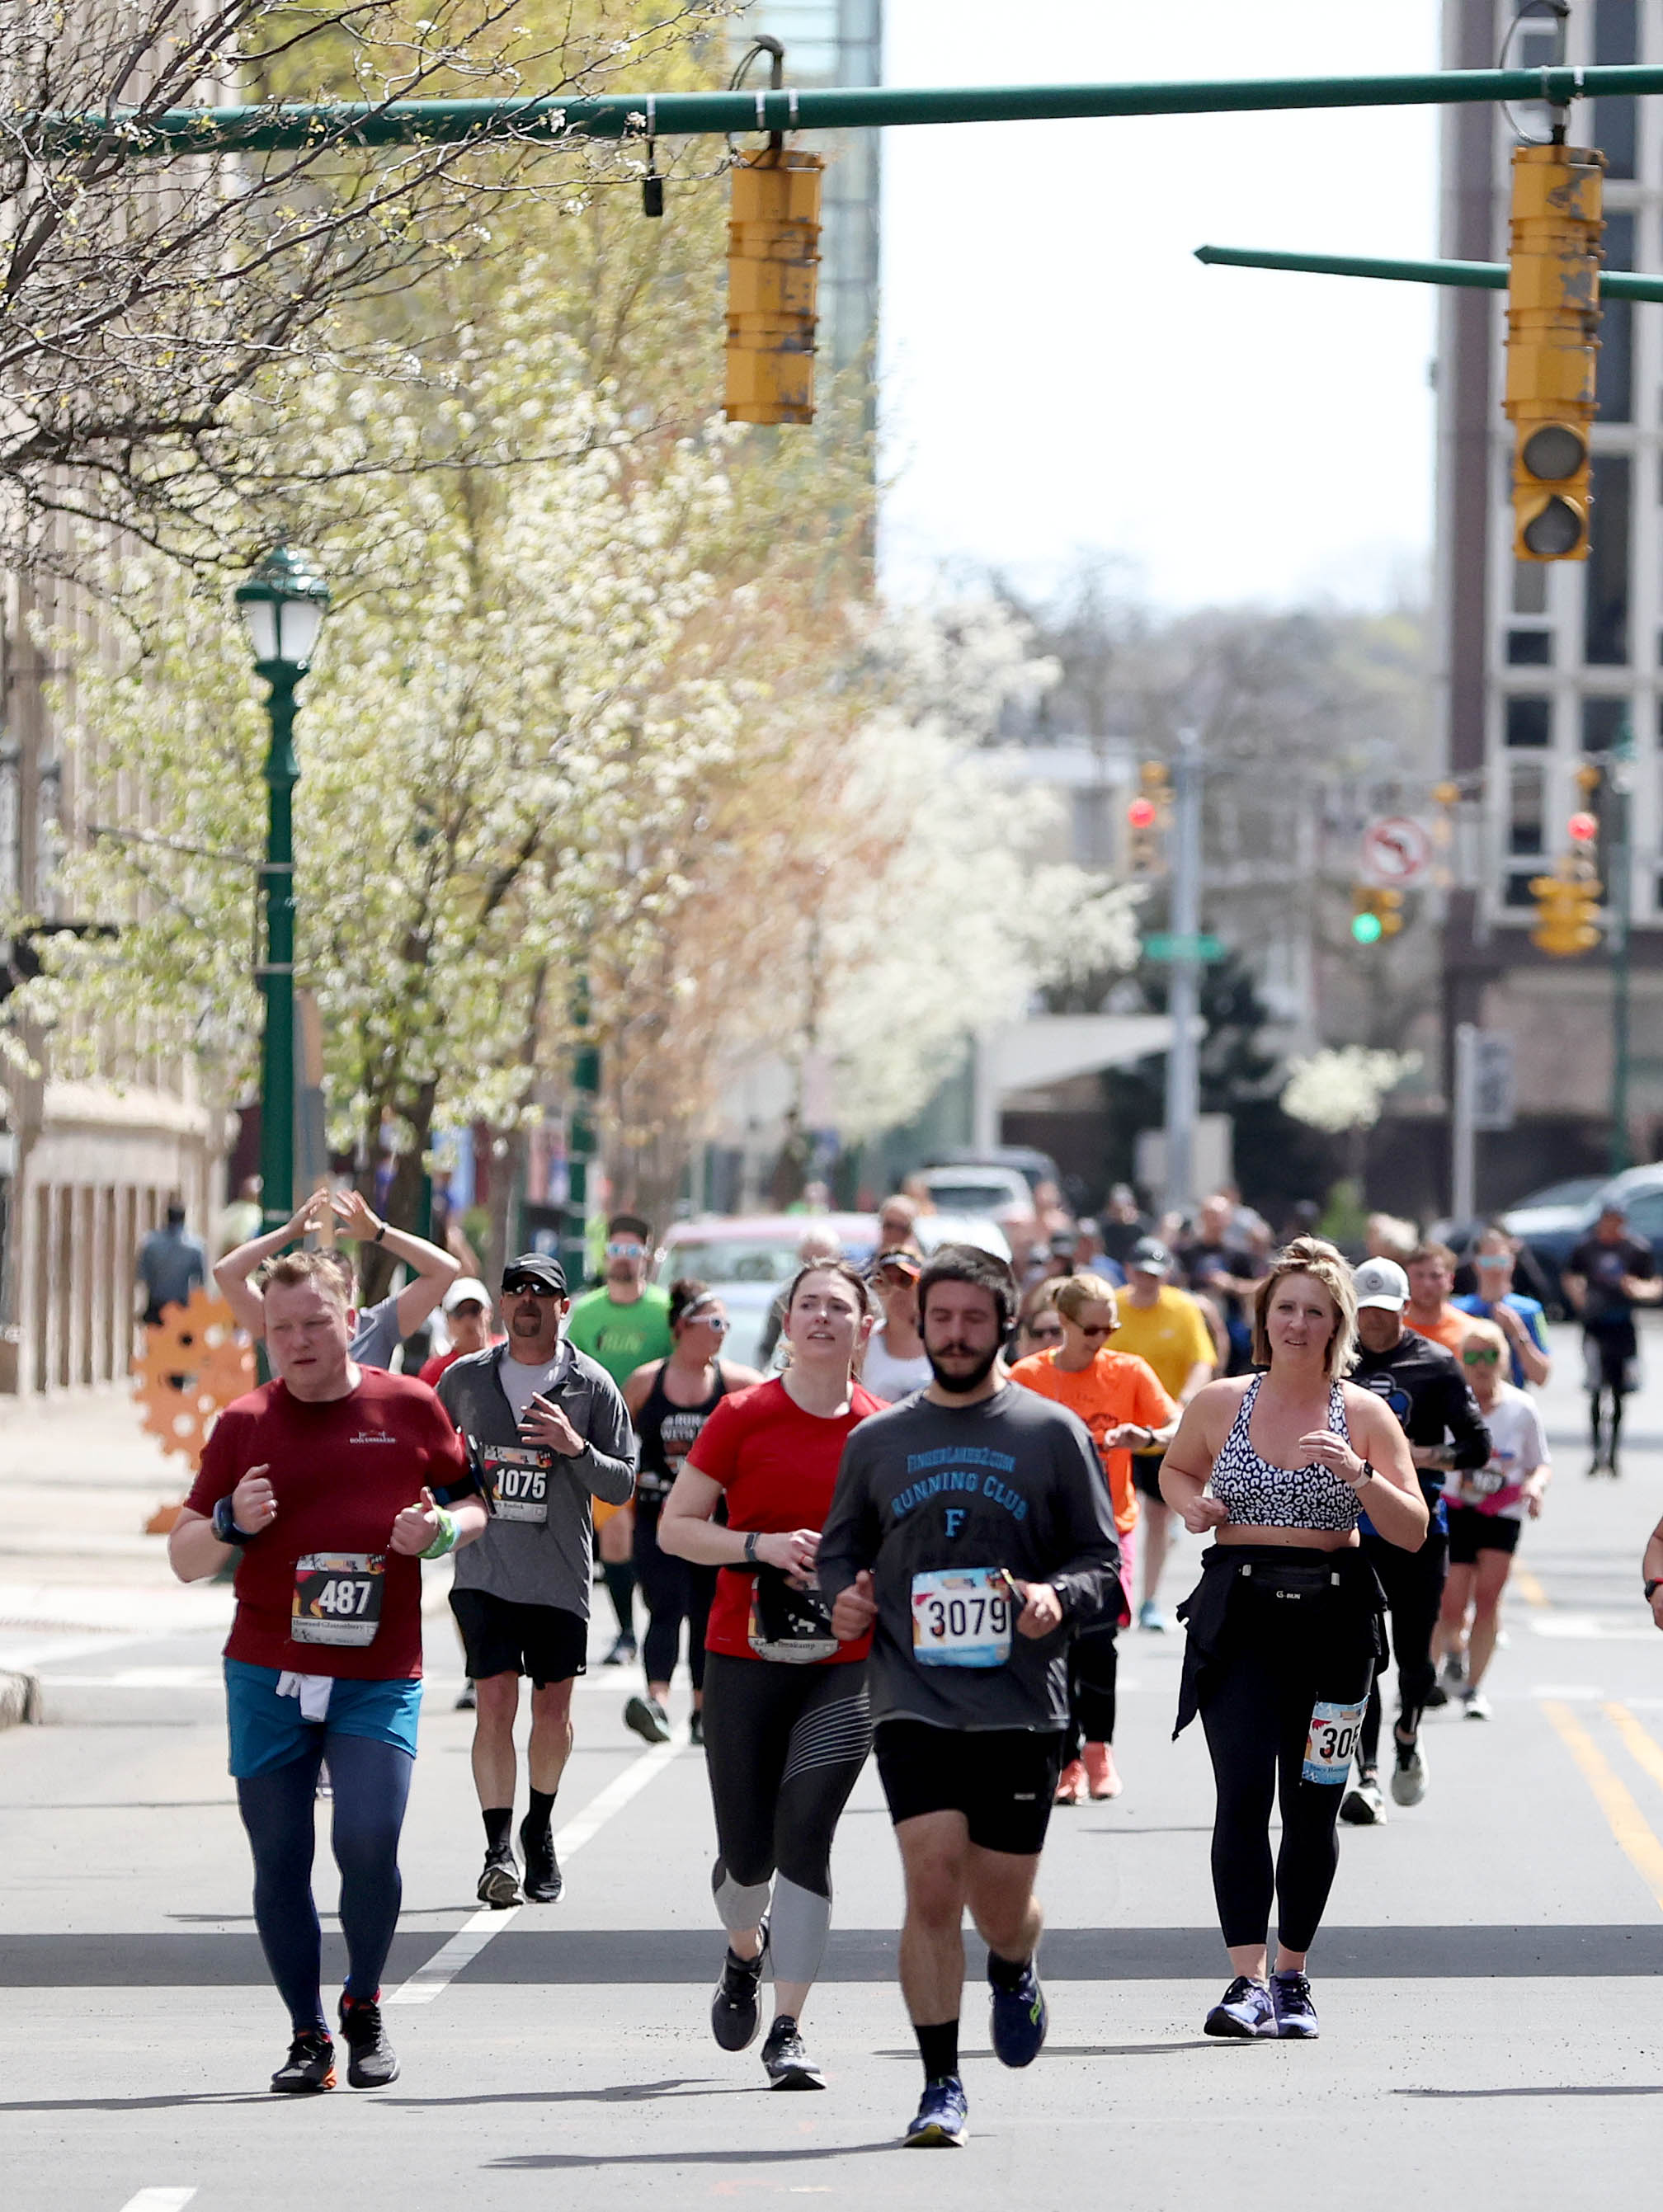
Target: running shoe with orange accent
[(1071, 1785), (1100, 1777)]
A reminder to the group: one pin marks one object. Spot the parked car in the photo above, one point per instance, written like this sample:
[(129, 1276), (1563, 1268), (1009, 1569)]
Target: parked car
[(750, 1258), (1034, 1166), (935, 1230), (1001, 1195)]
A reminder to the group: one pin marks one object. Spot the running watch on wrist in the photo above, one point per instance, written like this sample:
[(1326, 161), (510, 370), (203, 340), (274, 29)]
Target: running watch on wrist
[(750, 1547), (1365, 1477), (225, 1525), (1656, 1582), (380, 1234)]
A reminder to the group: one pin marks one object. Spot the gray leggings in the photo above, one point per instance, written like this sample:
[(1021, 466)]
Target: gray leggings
[(783, 1746)]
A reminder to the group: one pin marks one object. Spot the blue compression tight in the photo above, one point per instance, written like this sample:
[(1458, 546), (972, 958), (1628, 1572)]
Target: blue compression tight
[(371, 1783)]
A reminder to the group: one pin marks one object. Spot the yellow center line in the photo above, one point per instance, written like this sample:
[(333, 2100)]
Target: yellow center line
[(1626, 1820), (1643, 1748), (1528, 1588)]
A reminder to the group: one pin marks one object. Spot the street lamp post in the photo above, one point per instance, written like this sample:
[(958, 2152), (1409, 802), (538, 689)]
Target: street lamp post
[(283, 603)]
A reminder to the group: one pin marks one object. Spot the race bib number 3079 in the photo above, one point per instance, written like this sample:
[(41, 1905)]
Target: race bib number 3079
[(337, 1597), (1332, 1743), (961, 1619)]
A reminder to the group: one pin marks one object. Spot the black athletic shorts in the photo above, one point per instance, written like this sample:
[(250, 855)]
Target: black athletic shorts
[(500, 1637), (1003, 1780), (1471, 1532), (1146, 1474)]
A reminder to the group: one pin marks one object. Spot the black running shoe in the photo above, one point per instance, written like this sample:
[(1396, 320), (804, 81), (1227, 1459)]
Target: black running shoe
[(371, 2063), (788, 2065), (499, 1884), (310, 2064), (735, 2012), (648, 1719), (696, 1728), (543, 1880), (467, 1702)]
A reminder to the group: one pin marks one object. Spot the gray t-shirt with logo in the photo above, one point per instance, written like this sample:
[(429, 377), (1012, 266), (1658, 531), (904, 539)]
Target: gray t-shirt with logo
[(1010, 1481)]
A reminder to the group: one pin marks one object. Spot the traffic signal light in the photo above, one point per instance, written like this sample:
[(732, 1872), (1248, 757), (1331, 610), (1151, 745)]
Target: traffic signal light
[(1566, 905), (1375, 914), (1147, 816), (1553, 325), (773, 256)]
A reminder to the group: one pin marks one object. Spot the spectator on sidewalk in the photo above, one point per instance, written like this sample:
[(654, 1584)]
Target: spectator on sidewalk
[(171, 1264)]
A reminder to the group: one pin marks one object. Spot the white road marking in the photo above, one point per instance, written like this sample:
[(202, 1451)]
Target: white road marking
[(1588, 1627), (159, 2200), (471, 1937)]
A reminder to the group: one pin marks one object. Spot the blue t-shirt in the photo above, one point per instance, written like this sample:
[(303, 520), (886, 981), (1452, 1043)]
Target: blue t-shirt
[(1529, 1311)]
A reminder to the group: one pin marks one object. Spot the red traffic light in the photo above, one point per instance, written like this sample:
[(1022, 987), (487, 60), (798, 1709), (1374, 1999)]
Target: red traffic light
[(1584, 827), (1141, 814)]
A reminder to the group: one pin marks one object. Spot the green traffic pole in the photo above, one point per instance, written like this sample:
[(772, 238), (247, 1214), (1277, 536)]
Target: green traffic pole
[(294, 127), (1478, 275), (580, 1146), (1619, 899), (276, 973)]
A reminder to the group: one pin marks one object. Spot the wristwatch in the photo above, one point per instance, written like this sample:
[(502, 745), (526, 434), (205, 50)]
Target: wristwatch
[(751, 1547), (1656, 1582), (380, 1234), (225, 1525), (1365, 1477)]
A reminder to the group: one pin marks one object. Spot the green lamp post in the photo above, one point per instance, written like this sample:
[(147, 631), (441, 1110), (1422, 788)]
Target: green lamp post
[(283, 603)]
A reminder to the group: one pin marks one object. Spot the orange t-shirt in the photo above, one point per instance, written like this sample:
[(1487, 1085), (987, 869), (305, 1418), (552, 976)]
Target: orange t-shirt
[(1450, 1329), (1117, 1386)]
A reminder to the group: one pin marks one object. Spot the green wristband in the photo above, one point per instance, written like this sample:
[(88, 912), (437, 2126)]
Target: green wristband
[(445, 1542)]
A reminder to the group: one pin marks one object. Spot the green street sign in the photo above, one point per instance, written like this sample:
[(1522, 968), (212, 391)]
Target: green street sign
[(1163, 946)]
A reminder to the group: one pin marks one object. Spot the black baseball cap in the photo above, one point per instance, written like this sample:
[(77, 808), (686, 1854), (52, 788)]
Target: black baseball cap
[(1149, 1256), (536, 1272)]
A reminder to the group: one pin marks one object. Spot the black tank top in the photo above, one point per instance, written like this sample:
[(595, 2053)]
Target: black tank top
[(667, 1433)]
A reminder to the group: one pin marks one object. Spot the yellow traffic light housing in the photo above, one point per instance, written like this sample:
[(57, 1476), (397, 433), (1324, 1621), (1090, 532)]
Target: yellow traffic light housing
[(1375, 914), (1147, 818), (773, 259), (1553, 326), (1567, 903)]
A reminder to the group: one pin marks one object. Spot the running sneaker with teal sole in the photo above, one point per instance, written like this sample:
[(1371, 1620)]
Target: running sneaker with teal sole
[(942, 2120), (370, 2062), (736, 2009), (1243, 2012), (1150, 1617), (1019, 2019), (648, 1719), (1291, 2000), (309, 2066)]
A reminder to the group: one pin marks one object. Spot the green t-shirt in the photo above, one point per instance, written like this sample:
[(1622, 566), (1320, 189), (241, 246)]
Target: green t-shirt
[(622, 1337)]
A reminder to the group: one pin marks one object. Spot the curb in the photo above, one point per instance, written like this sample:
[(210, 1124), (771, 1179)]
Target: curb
[(20, 1699)]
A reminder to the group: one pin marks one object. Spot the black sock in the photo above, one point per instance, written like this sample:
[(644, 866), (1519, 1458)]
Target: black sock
[(620, 1588), (1007, 1973), (541, 1814), (938, 2047), (498, 1820)]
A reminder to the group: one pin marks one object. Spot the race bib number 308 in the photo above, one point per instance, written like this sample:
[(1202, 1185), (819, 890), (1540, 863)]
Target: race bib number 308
[(1332, 1743), (961, 1618), (337, 1597)]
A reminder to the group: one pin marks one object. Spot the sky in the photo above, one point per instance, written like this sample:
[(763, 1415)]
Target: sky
[(1060, 377)]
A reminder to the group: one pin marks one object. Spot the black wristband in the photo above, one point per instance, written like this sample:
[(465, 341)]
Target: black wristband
[(225, 1525), (379, 1233), (1655, 1584), (750, 1547)]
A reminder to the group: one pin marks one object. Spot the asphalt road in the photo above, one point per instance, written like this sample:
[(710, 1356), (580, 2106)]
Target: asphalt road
[(1486, 1980)]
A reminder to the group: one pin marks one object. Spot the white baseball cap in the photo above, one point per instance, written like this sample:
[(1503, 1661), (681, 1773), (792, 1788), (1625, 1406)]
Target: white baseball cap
[(1381, 1283), (464, 1289)]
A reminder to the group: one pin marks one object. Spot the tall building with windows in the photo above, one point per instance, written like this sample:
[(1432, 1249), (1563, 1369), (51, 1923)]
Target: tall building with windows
[(838, 42), (1543, 665)]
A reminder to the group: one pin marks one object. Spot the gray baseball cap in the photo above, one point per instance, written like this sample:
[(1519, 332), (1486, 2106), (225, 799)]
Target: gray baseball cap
[(1381, 1283)]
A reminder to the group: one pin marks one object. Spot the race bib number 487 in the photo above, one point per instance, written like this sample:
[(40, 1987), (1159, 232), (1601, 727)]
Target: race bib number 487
[(1331, 1745), (961, 1618), (337, 1597)]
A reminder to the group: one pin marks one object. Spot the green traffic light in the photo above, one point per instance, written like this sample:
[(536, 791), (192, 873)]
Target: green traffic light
[(1366, 928)]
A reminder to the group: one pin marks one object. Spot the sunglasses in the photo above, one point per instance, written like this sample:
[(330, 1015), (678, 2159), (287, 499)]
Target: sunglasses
[(1045, 1335), (512, 1285), (622, 1250), (1486, 1356), (717, 1321), (1098, 1328)]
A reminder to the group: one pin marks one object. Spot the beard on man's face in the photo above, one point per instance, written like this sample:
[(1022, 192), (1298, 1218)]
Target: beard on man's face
[(970, 1369)]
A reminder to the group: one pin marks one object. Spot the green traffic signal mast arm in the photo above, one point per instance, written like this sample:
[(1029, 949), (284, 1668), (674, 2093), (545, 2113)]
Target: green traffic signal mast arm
[(1480, 276), (280, 126)]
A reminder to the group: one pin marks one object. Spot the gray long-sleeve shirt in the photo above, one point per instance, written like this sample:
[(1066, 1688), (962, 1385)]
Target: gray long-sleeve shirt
[(528, 1560)]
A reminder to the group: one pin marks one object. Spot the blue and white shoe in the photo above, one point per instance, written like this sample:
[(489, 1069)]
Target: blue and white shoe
[(942, 2120), (1243, 2011), (1019, 2020), (1290, 2001)]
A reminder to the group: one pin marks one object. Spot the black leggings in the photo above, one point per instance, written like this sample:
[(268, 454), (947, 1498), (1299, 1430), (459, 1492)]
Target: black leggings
[(371, 1783), (673, 1590), (1414, 1586), (783, 1746), (1279, 1659), (1094, 1671)]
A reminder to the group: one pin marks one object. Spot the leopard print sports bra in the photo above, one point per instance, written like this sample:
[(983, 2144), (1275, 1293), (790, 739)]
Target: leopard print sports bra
[(1260, 1495)]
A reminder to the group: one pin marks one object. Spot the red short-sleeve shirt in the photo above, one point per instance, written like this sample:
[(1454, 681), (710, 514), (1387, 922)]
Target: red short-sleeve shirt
[(779, 1467), (342, 1472)]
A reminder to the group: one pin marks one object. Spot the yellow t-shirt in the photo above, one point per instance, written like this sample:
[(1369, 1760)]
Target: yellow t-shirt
[(1171, 1334)]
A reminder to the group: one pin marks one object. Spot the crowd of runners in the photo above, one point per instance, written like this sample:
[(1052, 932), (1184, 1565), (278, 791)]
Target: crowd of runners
[(921, 1536)]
